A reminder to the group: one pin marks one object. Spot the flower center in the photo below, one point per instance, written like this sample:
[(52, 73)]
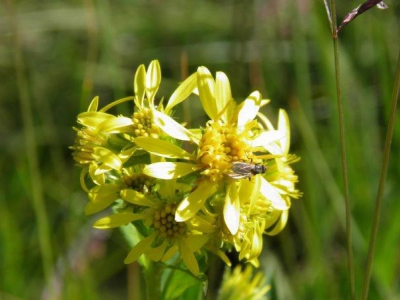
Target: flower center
[(139, 182), (143, 124), (164, 222), (220, 146)]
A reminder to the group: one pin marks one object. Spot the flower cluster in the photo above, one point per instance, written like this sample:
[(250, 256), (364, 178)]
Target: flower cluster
[(188, 191), (243, 284)]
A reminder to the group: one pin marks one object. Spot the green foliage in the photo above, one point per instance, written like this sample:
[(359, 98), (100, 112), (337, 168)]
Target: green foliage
[(72, 51)]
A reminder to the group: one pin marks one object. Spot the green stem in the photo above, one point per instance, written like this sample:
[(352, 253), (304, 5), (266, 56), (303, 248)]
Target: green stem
[(343, 153), (152, 277), (381, 189)]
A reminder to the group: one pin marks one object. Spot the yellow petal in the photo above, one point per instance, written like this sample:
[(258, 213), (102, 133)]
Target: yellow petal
[(195, 242), (141, 248), (170, 253), (223, 256), (92, 119), (269, 140), (223, 96), (135, 197), (206, 86), (280, 224), (107, 157), (126, 154), (249, 191), (194, 202), (284, 125), (101, 197), (173, 128), (264, 120), (140, 85), (189, 258), (249, 108), (153, 79), (269, 192), (163, 148), (232, 209), (182, 92), (116, 220), (168, 170), (157, 253), (94, 104), (115, 125), (97, 177), (200, 224)]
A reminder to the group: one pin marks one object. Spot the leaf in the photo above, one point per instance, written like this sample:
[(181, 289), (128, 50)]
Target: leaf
[(178, 283)]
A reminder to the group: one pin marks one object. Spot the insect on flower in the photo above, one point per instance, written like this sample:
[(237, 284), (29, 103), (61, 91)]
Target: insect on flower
[(242, 170)]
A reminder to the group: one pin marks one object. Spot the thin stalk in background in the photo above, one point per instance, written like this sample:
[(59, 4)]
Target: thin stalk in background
[(31, 150), (381, 189), (343, 151), (152, 276)]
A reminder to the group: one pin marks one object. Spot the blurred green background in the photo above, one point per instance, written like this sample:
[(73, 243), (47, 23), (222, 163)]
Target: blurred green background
[(55, 56)]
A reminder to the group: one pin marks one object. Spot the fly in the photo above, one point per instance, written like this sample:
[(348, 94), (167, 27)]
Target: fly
[(242, 170)]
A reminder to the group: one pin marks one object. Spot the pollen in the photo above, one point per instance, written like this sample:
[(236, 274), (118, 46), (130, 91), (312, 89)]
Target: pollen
[(143, 125), (220, 146), (164, 222)]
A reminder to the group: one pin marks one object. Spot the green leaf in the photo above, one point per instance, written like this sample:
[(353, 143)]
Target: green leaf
[(180, 283)]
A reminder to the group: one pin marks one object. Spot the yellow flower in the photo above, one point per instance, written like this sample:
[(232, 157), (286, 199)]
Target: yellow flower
[(242, 284), (188, 190), (108, 191), (93, 139), (104, 143), (164, 237), (232, 135), (238, 156)]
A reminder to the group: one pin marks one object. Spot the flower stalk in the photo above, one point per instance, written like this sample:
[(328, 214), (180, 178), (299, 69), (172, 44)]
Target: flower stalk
[(382, 180), (349, 239)]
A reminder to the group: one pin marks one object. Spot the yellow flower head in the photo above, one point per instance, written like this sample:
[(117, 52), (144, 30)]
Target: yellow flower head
[(188, 191), (163, 237), (239, 154), (242, 284)]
